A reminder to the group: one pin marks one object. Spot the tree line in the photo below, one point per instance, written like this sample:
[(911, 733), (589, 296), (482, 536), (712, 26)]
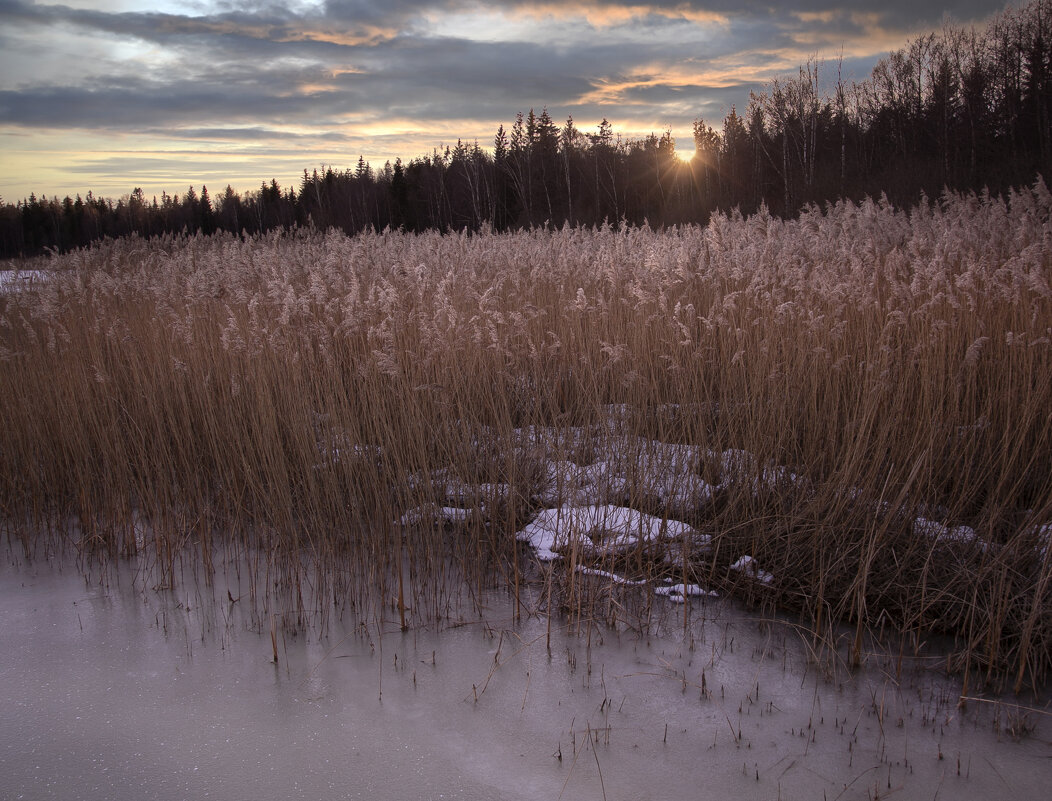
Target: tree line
[(960, 109)]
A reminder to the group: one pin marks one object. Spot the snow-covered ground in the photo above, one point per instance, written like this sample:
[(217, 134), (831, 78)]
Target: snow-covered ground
[(595, 483)]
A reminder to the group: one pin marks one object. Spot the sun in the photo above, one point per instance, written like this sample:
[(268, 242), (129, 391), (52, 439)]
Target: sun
[(685, 156)]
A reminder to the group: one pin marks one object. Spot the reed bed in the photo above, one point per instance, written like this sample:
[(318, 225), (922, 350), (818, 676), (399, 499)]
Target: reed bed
[(848, 414)]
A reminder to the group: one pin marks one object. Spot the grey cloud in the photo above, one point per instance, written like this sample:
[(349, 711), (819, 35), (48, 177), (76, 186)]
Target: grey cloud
[(145, 166), (894, 12), (247, 64), (897, 13), (429, 79), (133, 106), (249, 134), (255, 34), (161, 166), (274, 21), (660, 94), (270, 26), (388, 12)]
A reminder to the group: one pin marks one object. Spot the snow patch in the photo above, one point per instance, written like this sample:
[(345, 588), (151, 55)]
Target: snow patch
[(940, 532), (430, 513), (748, 566), (13, 280), (614, 577), (599, 530), (678, 593)]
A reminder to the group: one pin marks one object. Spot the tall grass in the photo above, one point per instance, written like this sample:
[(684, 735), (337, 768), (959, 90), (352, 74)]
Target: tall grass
[(883, 375)]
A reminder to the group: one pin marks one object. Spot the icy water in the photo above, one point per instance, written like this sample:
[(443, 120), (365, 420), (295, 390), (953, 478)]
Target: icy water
[(110, 693)]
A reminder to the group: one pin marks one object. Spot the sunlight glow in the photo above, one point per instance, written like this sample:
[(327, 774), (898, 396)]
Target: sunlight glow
[(686, 156)]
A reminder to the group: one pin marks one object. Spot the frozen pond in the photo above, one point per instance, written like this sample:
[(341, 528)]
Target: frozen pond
[(110, 693)]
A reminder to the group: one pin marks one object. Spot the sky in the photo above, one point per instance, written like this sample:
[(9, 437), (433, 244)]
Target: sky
[(110, 95)]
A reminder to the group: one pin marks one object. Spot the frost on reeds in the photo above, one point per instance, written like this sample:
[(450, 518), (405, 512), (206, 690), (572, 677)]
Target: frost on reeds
[(857, 400)]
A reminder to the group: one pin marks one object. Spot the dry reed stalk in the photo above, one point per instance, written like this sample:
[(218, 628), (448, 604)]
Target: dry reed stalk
[(882, 376)]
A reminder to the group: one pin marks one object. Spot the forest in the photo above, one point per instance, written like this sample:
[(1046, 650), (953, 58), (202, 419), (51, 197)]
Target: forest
[(961, 109)]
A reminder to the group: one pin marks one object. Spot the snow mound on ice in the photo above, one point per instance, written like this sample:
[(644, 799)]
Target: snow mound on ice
[(598, 530)]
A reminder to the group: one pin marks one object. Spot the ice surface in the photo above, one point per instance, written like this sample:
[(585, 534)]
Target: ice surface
[(114, 693)]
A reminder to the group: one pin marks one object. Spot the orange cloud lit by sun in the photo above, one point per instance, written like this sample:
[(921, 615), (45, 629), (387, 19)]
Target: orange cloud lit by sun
[(366, 35), (871, 36), (718, 74), (604, 16), (320, 87), (299, 31), (745, 67)]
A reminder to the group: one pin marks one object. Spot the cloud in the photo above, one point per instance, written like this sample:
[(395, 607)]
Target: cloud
[(251, 134), (347, 73)]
